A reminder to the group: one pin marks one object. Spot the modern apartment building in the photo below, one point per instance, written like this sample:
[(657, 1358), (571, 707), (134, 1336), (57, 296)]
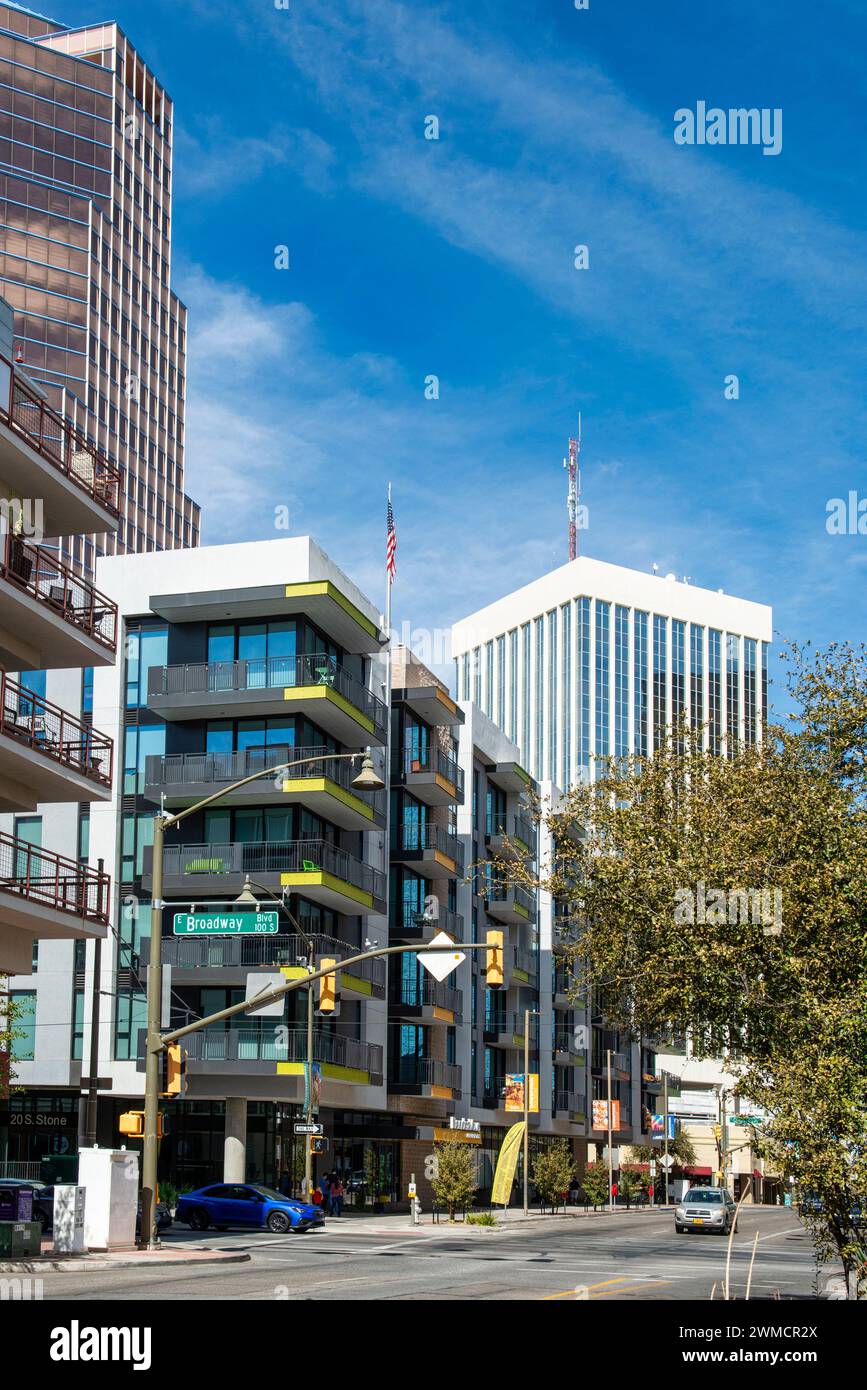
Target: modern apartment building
[(50, 617), (235, 658), (595, 660), (86, 133)]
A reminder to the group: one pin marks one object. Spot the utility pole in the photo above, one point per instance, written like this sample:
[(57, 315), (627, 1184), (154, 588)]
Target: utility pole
[(722, 1137), (610, 1145), (526, 1111), (665, 1131), (308, 1138)]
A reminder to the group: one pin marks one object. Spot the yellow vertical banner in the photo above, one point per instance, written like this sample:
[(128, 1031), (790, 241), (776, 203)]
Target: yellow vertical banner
[(507, 1164)]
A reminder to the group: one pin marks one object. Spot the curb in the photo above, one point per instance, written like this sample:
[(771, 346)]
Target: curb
[(84, 1263)]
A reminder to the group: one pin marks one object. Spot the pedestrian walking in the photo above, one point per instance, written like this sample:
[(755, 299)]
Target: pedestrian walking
[(336, 1196), (326, 1191), (285, 1184)]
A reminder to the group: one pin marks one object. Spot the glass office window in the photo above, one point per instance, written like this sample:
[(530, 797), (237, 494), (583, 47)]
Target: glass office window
[(477, 676), (501, 683), (145, 648), (583, 691), (140, 742), (465, 662), (525, 693), (540, 697), (696, 675), (750, 690), (660, 679), (764, 684), (733, 702), (603, 611), (639, 683), (621, 681), (714, 689), (678, 670), (552, 695), (489, 679), (566, 697), (513, 685)]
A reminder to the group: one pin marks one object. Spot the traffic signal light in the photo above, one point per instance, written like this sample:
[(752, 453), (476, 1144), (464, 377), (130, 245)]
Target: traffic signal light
[(176, 1070), (329, 989), (494, 973), (717, 1132), (131, 1123)]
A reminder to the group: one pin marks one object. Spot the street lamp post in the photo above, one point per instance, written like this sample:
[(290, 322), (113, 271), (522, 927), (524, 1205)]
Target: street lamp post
[(366, 780)]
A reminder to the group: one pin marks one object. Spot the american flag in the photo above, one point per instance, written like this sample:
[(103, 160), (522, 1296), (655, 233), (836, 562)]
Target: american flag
[(390, 543)]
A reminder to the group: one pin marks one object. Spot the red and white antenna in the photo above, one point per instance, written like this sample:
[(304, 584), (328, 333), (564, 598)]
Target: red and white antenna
[(574, 490)]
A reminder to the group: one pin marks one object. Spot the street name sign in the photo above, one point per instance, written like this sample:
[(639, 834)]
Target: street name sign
[(226, 923), (744, 1119)]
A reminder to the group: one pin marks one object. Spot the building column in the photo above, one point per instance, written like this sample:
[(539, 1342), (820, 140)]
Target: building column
[(235, 1141)]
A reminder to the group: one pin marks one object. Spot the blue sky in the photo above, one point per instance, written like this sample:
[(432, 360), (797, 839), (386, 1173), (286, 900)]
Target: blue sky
[(409, 257)]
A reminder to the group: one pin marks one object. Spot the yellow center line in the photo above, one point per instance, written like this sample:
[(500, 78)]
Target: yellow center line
[(570, 1293), (631, 1288)]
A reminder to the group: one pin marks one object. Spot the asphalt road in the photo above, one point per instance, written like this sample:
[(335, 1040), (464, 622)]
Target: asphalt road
[(625, 1257)]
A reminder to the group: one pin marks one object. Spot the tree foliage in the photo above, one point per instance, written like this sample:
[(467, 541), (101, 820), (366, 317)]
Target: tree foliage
[(725, 895), (680, 1147), (553, 1171), (455, 1185), (595, 1184), (10, 1014)]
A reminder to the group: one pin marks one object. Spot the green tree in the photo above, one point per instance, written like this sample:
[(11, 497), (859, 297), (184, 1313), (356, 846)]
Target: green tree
[(629, 1185), (724, 897), (595, 1184), (455, 1184), (553, 1170)]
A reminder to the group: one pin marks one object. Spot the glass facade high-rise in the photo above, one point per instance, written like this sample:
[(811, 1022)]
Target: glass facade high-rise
[(617, 659), (85, 260)]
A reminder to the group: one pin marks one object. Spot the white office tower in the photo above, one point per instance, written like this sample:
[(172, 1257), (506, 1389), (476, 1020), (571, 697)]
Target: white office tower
[(594, 659)]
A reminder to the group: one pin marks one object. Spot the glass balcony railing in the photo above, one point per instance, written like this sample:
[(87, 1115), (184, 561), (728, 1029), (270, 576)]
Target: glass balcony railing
[(415, 993), (512, 827), (248, 952)]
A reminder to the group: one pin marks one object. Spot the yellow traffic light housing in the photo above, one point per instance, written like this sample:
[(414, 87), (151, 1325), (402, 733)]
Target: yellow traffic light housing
[(131, 1123), (494, 965), (176, 1070), (328, 1005)]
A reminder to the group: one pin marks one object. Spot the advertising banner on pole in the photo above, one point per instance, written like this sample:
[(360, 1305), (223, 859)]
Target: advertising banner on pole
[(515, 1092), (507, 1166)]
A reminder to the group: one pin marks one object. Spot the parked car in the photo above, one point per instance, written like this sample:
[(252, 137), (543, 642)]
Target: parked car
[(245, 1204), (811, 1205), (706, 1209)]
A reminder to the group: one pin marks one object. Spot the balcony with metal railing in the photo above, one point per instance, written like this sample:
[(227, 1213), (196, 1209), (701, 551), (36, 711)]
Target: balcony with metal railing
[(508, 902), (45, 895), (45, 456), (315, 780), (49, 614), (47, 754), (433, 776), (429, 849), (510, 835), (212, 960), (319, 871), (425, 1076), (314, 685), (424, 999), (258, 1050), (407, 923)]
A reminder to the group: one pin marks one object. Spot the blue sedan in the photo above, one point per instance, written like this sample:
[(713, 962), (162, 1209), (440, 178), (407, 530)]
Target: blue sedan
[(245, 1204)]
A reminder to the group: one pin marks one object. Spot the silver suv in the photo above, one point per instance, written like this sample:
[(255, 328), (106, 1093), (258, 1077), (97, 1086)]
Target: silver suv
[(706, 1209)]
